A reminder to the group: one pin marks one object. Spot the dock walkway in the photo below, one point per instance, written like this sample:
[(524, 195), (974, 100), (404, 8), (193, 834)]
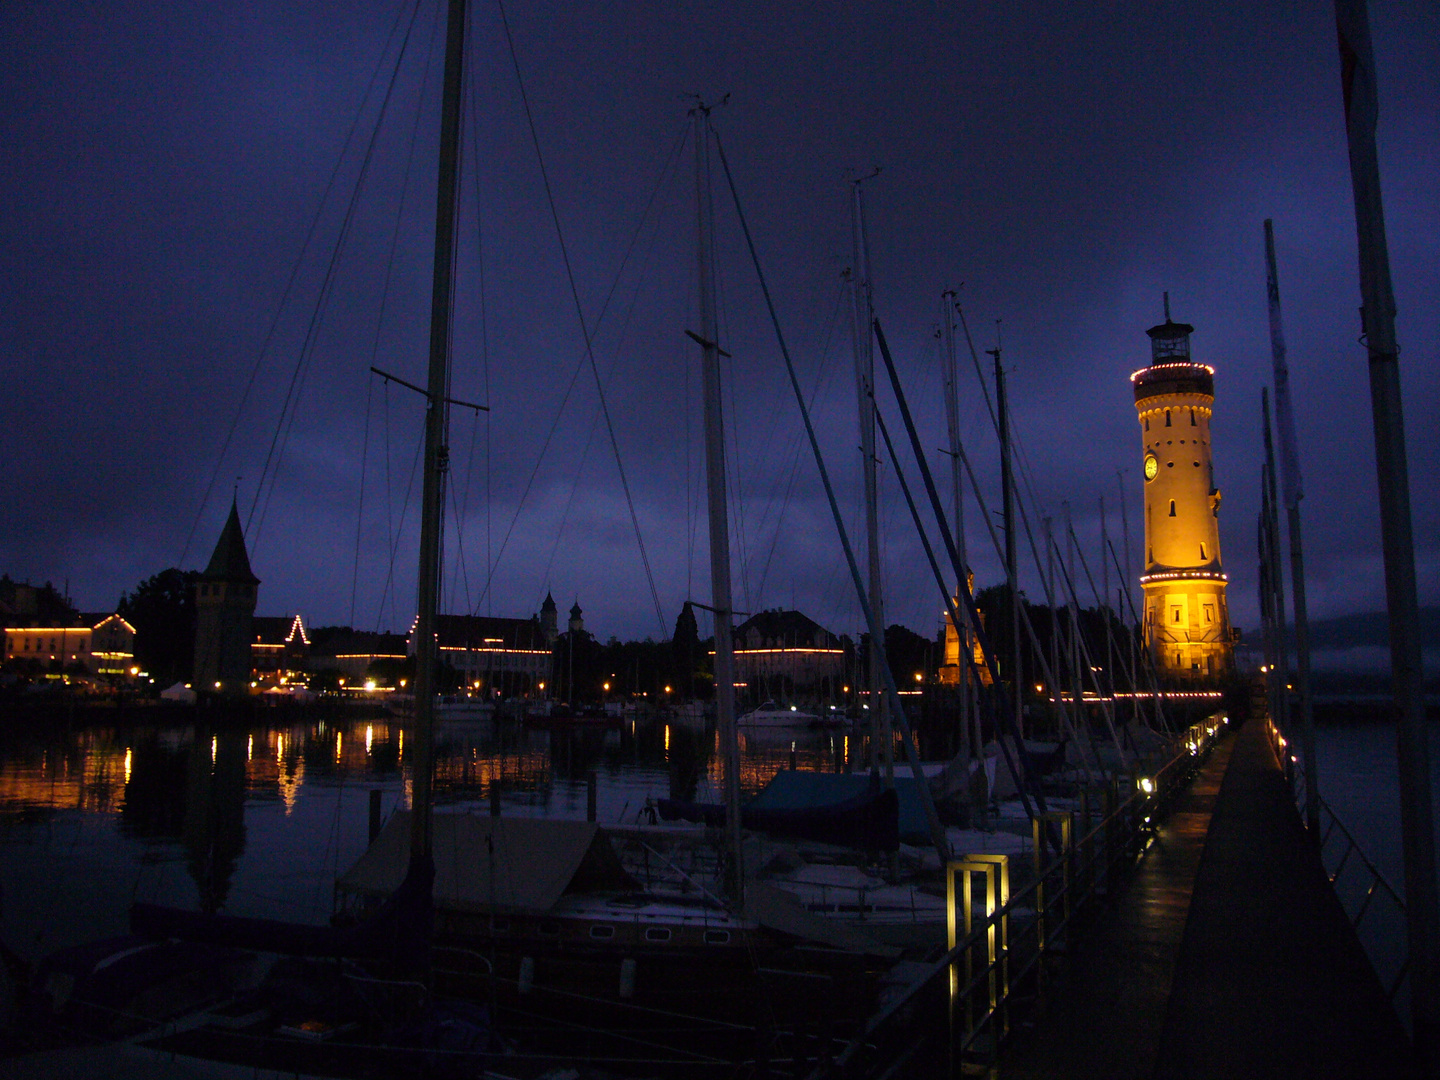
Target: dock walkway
[(1227, 954)]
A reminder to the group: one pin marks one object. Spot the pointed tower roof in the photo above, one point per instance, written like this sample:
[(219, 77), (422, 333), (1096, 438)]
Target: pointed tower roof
[(549, 604), (230, 563)]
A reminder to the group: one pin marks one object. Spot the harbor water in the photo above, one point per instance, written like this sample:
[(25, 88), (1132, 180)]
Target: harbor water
[(259, 820)]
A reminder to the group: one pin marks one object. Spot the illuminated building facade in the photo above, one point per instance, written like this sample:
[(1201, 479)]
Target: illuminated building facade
[(224, 609), (510, 655), (279, 651), (951, 671), (1186, 620), (99, 644), (778, 653)]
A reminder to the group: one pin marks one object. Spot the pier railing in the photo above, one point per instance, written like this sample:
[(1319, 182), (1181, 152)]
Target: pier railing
[(1376, 909), (1005, 947)]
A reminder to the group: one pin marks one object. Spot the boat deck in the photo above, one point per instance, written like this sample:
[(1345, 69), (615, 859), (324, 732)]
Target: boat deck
[(1227, 954)]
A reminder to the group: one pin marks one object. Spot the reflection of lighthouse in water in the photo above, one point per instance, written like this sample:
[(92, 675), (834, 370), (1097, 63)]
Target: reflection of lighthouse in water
[(1187, 624)]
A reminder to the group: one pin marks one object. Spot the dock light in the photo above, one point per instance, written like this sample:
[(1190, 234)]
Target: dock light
[(134, 671), (919, 677), (402, 684), (217, 685), (605, 687), (793, 709), (667, 689), (1039, 687), (369, 684), (1147, 785)]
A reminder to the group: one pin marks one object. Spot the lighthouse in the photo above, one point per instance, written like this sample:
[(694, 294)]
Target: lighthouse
[(1186, 620)]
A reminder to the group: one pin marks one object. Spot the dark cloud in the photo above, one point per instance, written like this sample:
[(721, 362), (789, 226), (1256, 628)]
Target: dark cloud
[(164, 163)]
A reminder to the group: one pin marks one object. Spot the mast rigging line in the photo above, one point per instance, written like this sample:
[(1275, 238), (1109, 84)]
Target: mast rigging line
[(285, 424), (950, 609), (295, 272), (675, 151), (1019, 773), (877, 635), (1034, 638), (580, 314), (660, 185)]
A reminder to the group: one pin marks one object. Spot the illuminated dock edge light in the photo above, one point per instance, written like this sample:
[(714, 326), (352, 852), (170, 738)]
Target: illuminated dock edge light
[(1147, 785)]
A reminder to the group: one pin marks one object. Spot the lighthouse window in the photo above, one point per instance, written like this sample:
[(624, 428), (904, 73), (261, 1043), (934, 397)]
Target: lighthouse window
[(1203, 556), (1147, 423), (1192, 417), (1172, 507), (1208, 610), (1167, 417), (1175, 614)]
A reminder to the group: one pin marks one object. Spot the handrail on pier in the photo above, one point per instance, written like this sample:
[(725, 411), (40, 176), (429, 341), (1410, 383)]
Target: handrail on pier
[(1354, 898), (998, 957)]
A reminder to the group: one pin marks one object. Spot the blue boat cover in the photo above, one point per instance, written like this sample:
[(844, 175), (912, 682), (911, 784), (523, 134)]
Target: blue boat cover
[(796, 790)]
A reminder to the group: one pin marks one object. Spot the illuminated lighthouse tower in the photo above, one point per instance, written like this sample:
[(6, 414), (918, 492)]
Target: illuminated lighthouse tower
[(1187, 624)]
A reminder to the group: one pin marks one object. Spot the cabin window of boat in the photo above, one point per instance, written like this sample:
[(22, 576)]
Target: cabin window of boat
[(657, 933), (550, 928), (717, 937), (602, 933)]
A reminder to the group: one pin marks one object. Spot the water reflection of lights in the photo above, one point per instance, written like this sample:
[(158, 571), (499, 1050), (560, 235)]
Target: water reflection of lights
[(369, 736), (250, 747), (667, 740), (128, 757), (338, 744), (214, 750)]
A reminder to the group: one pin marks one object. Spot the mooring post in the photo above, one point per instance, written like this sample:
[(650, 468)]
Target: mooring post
[(590, 781)]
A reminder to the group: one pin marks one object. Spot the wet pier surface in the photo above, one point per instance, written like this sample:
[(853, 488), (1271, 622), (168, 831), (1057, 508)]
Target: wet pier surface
[(1227, 954)]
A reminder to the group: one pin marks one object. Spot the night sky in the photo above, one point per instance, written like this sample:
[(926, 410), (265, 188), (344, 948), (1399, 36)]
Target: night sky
[(164, 164)]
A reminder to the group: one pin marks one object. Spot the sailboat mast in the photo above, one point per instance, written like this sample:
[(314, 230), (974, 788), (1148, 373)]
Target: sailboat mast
[(1012, 575), (952, 420), (437, 425), (718, 513), (865, 388)]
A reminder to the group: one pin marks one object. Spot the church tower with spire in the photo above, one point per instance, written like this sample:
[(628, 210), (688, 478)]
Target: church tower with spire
[(1187, 622), (224, 607)]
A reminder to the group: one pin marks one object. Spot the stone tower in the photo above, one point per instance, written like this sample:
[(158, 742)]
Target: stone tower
[(224, 607), (577, 622), (1187, 623), (548, 627)]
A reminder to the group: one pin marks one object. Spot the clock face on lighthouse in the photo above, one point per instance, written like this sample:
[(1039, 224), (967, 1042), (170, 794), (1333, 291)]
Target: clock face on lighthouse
[(1152, 466)]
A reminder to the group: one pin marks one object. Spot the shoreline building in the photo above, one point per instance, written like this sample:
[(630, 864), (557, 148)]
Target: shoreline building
[(1186, 619), (224, 609), (509, 657), (782, 653)]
